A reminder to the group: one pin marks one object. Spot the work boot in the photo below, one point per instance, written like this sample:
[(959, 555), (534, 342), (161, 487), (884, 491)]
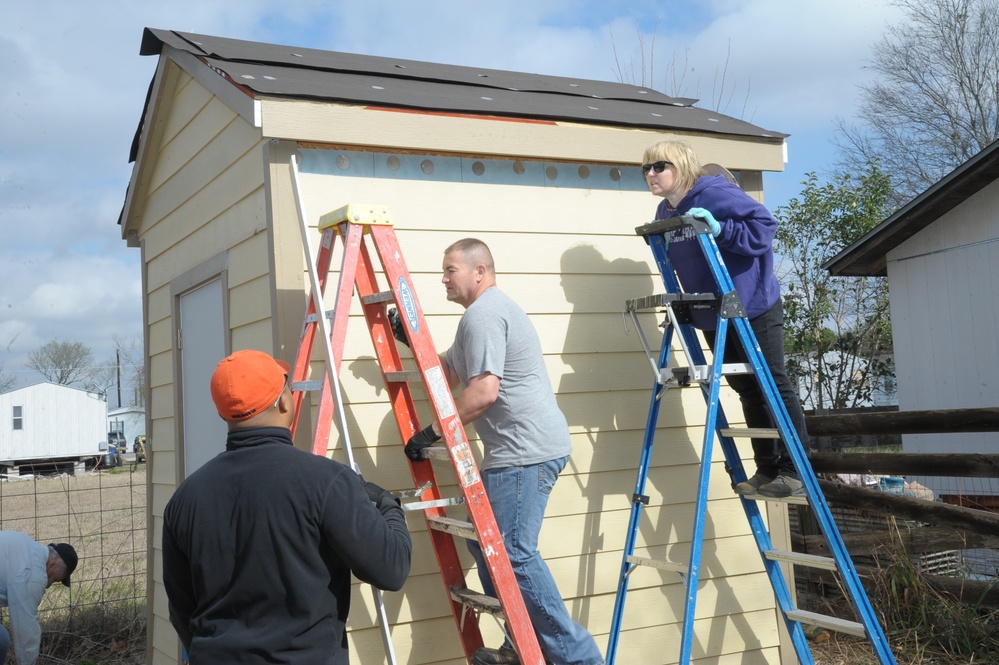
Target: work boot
[(782, 486), (752, 486), (502, 656)]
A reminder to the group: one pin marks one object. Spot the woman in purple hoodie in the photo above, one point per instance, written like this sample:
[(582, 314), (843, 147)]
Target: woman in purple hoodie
[(744, 232)]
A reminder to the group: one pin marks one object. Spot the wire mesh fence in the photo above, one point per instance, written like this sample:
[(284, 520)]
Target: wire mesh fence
[(102, 514)]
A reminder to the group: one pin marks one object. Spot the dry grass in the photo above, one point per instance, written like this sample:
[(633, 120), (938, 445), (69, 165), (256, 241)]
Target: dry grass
[(101, 619), (924, 626)]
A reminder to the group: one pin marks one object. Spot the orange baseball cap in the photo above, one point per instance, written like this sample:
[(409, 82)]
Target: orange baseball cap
[(246, 383)]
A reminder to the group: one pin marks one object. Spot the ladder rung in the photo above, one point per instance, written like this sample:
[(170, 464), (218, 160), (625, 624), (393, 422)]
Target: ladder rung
[(437, 453), (703, 372), (825, 621), (381, 296), (656, 563), (453, 526), (799, 500), (312, 318), (477, 601), (308, 386), (749, 433), (404, 376), (802, 559), (433, 503)]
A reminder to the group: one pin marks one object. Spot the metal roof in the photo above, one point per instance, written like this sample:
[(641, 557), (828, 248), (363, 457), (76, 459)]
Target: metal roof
[(299, 73), (868, 255)]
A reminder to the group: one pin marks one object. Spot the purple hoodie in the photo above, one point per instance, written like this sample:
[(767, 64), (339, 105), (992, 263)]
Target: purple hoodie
[(745, 242)]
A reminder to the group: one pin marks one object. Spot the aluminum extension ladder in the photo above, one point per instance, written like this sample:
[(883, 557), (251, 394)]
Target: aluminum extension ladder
[(726, 303), (352, 224)]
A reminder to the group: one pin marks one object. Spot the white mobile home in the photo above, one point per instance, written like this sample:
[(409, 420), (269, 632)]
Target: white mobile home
[(130, 421), (546, 171), (47, 422)]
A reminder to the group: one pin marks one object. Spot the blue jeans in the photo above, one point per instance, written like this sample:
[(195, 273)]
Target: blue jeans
[(519, 496), (4, 643), (770, 455)]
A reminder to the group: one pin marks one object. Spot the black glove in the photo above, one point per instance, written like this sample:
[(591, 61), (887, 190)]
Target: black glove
[(378, 494), (422, 439), (398, 331)]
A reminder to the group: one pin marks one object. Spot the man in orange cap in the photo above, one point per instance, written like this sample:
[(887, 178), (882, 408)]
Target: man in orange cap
[(259, 543)]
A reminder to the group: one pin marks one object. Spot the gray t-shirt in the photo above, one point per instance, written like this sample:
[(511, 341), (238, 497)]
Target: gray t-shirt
[(524, 425)]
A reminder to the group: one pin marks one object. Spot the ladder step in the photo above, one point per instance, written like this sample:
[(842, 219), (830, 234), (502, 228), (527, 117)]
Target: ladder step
[(800, 500), (381, 296), (749, 433), (477, 601), (437, 453), (454, 527), (404, 376), (703, 372), (433, 503), (306, 386), (825, 621), (802, 559), (665, 299), (656, 563)]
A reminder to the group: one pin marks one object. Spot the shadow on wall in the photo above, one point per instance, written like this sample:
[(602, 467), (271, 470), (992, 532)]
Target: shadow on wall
[(598, 387)]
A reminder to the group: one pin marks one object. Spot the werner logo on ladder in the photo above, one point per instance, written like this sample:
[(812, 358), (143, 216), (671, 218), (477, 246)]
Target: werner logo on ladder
[(722, 303)]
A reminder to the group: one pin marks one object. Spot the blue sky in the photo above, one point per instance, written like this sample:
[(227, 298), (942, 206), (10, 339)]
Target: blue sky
[(74, 85)]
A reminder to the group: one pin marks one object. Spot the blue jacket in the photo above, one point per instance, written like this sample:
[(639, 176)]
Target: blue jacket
[(745, 243)]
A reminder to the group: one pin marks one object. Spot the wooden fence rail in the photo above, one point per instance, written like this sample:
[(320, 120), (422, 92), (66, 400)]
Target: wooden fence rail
[(947, 527)]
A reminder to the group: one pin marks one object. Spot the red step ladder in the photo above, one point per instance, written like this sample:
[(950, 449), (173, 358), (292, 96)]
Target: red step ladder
[(353, 224)]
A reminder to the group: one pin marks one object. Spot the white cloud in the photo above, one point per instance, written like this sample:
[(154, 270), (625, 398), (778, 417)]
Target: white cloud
[(75, 84)]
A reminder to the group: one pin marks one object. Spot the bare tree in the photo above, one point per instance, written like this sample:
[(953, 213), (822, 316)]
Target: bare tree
[(675, 82), (7, 380), (64, 363), (935, 101)]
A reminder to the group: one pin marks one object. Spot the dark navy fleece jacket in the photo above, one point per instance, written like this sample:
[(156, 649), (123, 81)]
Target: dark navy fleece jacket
[(745, 243), (258, 549)]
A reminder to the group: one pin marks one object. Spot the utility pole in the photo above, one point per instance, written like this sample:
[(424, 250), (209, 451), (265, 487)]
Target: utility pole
[(117, 370)]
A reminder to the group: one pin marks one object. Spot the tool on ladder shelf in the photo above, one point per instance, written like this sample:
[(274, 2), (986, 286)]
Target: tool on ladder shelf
[(352, 224), (725, 301)]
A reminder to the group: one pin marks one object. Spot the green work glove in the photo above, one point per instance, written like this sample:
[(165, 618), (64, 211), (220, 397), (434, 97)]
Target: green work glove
[(706, 215)]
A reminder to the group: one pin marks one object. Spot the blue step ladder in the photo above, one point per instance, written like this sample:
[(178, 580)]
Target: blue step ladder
[(730, 314)]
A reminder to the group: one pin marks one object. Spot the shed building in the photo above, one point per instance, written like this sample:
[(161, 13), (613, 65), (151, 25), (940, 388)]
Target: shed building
[(940, 253), (545, 170)]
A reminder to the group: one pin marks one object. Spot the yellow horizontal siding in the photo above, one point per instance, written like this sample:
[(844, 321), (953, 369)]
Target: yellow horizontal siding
[(570, 258)]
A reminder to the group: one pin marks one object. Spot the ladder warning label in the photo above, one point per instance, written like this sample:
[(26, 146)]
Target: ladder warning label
[(441, 391), (464, 464)]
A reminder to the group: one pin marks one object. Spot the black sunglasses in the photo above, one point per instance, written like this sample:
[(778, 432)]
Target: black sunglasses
[(658, 167)]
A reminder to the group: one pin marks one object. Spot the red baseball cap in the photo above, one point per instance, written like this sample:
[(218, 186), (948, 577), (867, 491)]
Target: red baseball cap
[(246, 383)]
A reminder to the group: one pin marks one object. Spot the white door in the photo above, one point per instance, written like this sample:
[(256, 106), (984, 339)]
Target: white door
[(202, 346)]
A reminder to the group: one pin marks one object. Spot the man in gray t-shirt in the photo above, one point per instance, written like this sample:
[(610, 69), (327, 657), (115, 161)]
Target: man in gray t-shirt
[(496, 358)]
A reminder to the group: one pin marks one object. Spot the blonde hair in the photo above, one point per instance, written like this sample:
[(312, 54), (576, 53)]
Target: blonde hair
[(681, 156)]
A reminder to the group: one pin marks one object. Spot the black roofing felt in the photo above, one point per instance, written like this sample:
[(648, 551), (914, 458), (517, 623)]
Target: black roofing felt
[(300, 73)]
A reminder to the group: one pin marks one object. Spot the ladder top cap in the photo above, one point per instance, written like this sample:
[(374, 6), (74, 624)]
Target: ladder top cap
[(661, 226), (357, 213)]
